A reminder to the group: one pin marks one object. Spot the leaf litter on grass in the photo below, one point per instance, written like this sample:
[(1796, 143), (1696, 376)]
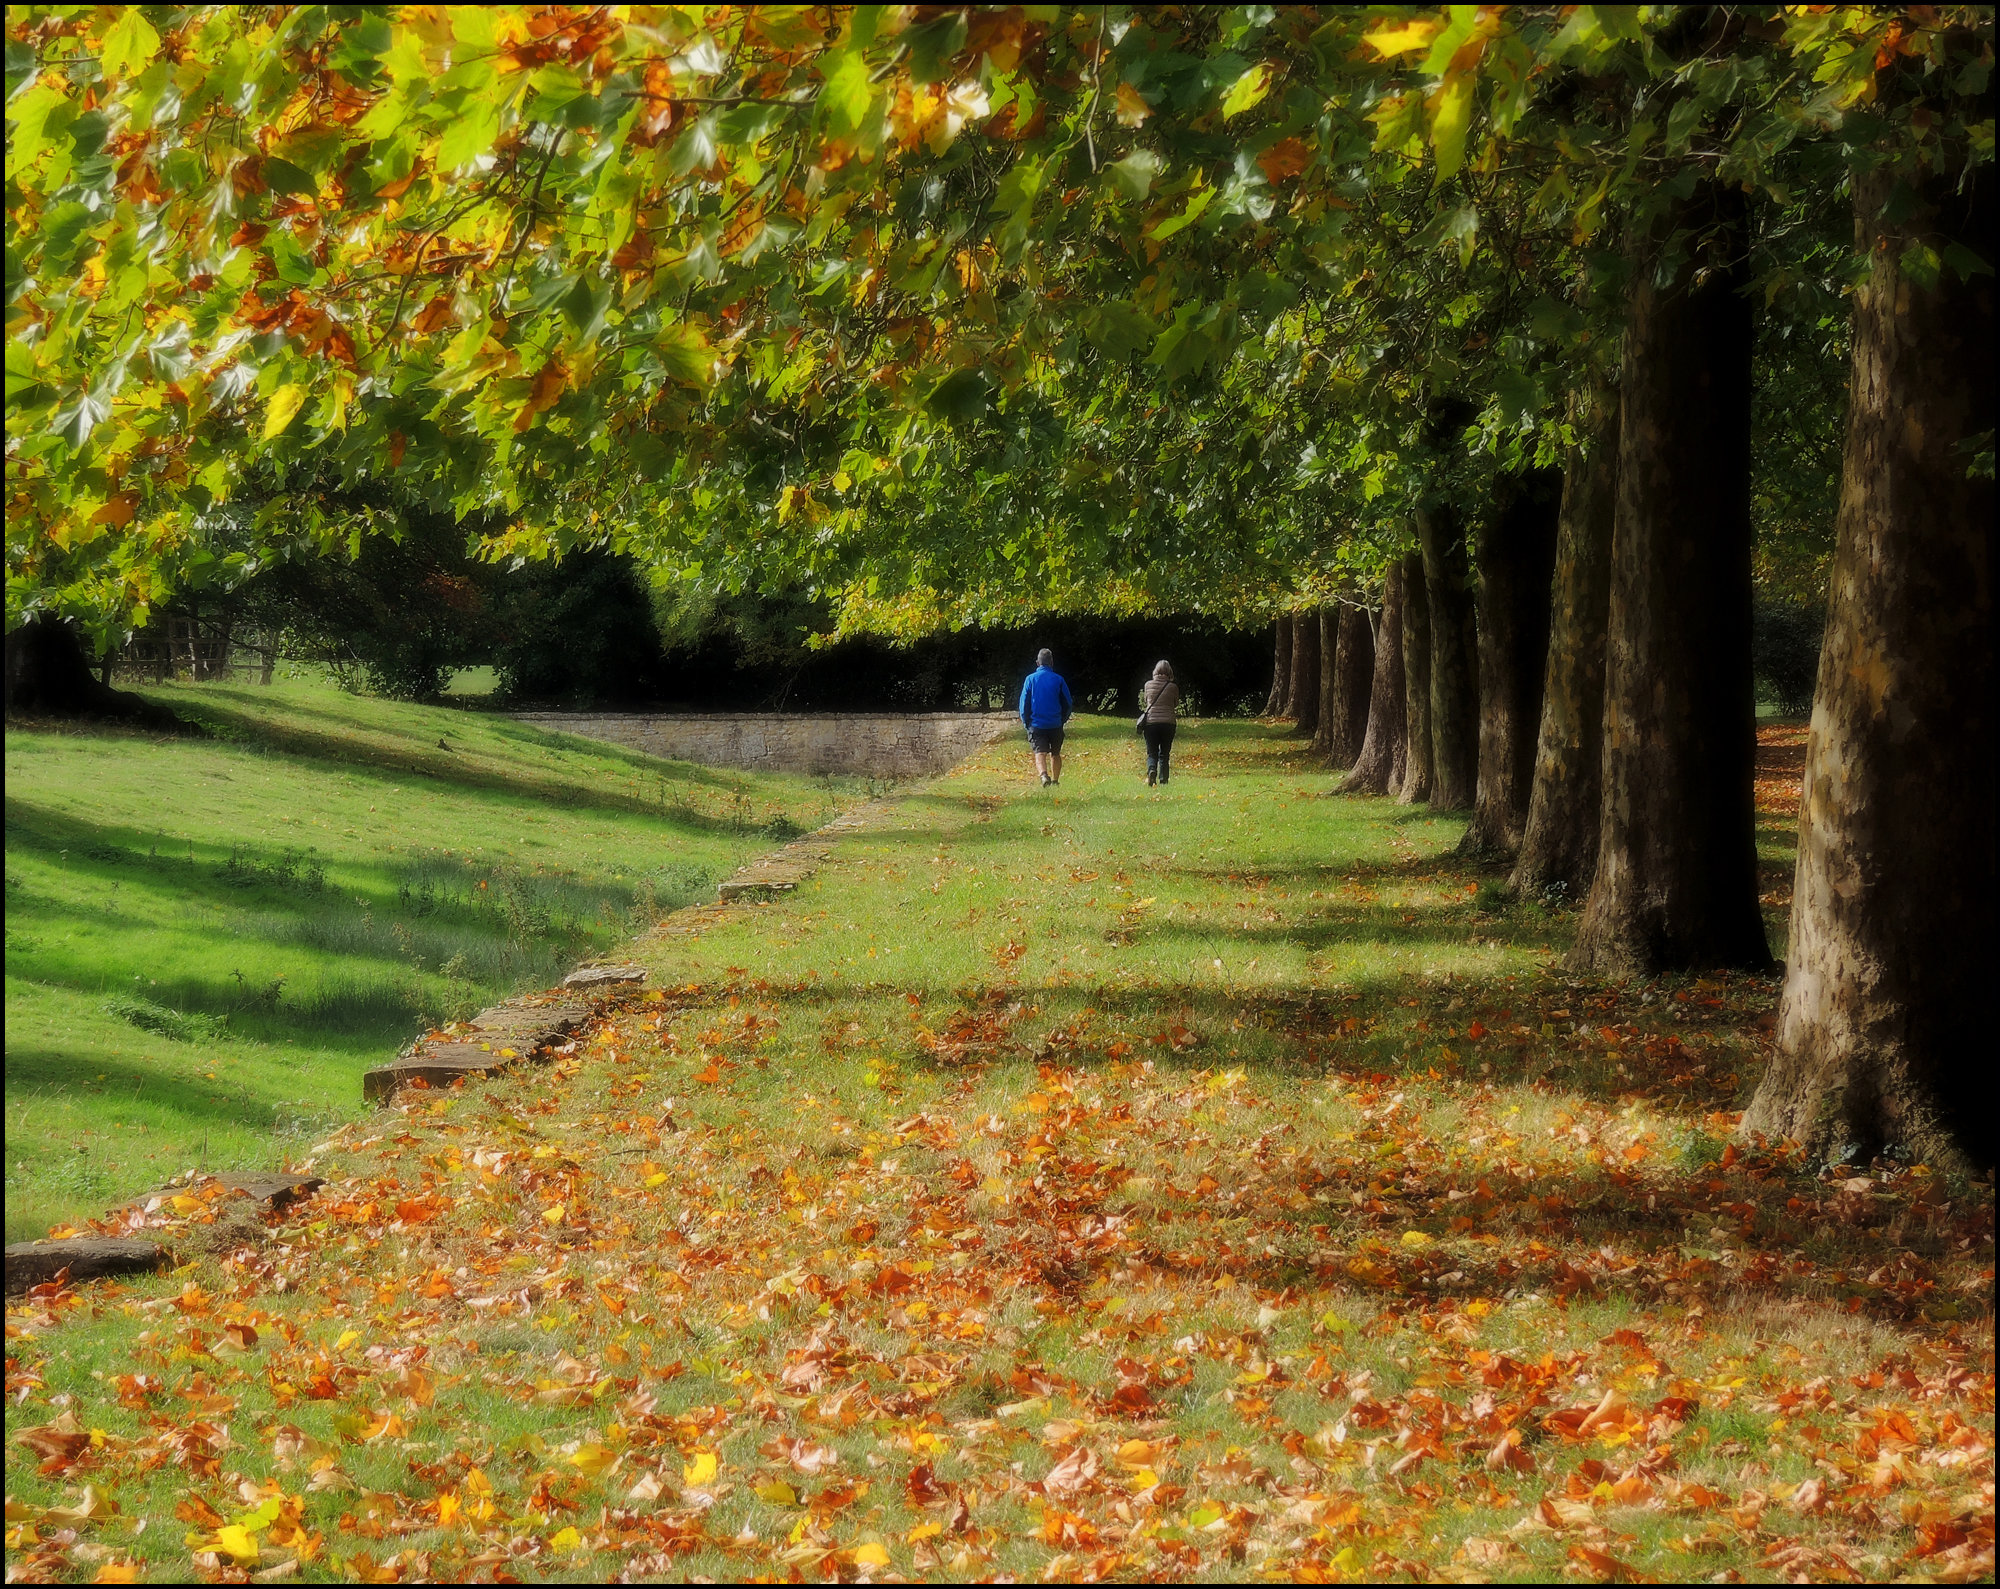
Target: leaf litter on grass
[(1066, 1292)]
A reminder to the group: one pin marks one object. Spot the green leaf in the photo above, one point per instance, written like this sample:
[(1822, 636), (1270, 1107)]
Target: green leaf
[(1198, 201), (1247, 90), (963, 395), (1517, 395), (1117, 329), (585, 307), (129, 45), (1135, 175), (35, 119), (469, 134), (847, 94)]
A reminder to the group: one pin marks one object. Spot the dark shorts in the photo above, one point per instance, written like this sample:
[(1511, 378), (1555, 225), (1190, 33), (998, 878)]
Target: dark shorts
[(1048, 741)]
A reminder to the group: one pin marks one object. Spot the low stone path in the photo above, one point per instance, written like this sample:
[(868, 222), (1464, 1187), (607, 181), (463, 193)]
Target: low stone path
[(783, 870)]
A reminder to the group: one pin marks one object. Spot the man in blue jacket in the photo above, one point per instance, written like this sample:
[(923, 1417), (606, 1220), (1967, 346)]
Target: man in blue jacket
[(1045, 707)]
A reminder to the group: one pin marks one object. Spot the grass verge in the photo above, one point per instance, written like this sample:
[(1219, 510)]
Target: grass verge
[(208, 938)]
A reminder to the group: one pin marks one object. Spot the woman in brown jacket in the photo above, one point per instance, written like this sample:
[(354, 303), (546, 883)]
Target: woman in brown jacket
[(1163, 700)]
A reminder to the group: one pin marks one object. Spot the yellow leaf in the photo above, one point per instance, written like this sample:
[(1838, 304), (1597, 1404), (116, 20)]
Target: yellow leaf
[(1416, 1238), (565, 1539), (1348, 1560), (1132, 106), (117, 1572), (924, 1531), (1451, 114), (448, 1508), (1144, 1479), (701, 1470), (286, 402), (1247, 91), (592, 1459), (347, 1339), (1404, 38), (238, 1541), (656, 1180), (871, 1555), (776, 1491), (552, 1215)]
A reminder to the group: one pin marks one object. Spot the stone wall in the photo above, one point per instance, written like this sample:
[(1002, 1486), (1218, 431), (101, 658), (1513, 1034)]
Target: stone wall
[(866, 744)]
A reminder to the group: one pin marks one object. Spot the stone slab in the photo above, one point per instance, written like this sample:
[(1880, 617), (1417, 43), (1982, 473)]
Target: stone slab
[(34, 1263), (440, 1067), (604, 976), (276, 1191)]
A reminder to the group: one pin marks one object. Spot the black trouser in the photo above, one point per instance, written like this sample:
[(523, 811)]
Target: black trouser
[(1159, 746)]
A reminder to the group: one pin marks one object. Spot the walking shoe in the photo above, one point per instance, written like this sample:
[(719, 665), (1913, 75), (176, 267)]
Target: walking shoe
[(1046, 780)]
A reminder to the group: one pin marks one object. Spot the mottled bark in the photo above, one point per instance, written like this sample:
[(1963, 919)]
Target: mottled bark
[(1329, 679), (1517, 552), (1676, 879), (1379, 767), (1305, 672), (1454, 669), (1353, 683), (1416, 782), (1887, 998), (1558, 853), (1281, 670)]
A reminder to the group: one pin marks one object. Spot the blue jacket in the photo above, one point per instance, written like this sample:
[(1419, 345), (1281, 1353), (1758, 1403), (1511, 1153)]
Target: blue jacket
[(1045, 701)]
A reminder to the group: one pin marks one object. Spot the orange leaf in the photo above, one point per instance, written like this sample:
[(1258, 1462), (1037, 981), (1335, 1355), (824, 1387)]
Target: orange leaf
[(1285, 158), (119, 510)]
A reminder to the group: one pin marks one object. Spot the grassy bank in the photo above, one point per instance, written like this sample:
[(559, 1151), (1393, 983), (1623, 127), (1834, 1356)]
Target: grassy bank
[(208, 938), (1216, 1184)]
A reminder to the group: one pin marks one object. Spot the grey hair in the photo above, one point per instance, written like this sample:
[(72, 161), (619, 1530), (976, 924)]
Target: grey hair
[(1164, 670), (1045, 658)]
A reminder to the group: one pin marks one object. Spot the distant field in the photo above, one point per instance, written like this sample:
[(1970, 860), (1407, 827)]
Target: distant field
[(208, 939)]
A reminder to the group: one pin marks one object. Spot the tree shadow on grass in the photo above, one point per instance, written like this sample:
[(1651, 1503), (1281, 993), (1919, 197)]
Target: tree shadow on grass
[(33, 1068), (260, 896), (1365, 1029)]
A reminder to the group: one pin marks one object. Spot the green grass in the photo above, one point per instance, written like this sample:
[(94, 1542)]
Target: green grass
[(209, 938), (1235, 1092)]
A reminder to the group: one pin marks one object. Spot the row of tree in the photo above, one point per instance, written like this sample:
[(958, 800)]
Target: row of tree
[(941, 315)]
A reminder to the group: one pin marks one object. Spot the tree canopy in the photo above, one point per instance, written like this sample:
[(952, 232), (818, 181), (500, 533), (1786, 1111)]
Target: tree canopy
[(925, 308)]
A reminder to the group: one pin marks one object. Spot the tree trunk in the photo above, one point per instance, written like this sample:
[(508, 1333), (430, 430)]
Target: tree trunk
[(1353, 684), (1305, 672), (1886, 1004), (1329, 679), (1281, 670), (1417, 778), (1676, 880), (1558, 851), (49, 675), (1517, 554), (1379, 766), (1454, 665)]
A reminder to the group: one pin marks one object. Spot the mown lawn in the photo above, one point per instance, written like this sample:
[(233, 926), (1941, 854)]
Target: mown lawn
[(1217, 1183), (209, 938)]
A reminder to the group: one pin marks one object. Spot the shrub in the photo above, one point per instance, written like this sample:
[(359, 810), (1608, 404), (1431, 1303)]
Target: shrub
[(1785, 638)]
